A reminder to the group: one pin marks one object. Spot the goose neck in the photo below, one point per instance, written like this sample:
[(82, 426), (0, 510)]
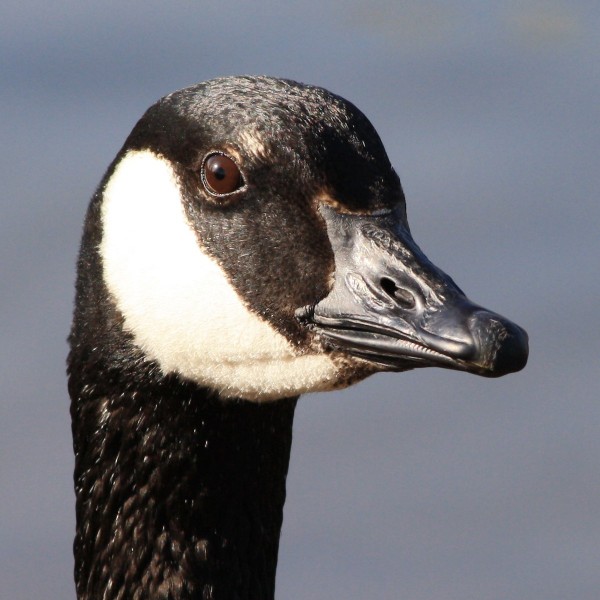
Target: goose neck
[(179, 496)]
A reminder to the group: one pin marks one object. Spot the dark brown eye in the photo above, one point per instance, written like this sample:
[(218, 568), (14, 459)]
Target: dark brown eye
[(221, 175)]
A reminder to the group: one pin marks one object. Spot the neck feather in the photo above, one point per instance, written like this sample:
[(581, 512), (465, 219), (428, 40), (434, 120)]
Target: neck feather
[(179, 495)]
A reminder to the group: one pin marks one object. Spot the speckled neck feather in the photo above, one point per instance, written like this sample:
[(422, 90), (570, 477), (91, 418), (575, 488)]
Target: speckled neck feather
[(179, 495)]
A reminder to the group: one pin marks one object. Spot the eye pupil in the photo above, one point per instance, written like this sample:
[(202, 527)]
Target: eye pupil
[(221, 175)]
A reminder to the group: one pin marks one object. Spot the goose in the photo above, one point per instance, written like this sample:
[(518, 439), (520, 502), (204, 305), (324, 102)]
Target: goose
[(248, 244)]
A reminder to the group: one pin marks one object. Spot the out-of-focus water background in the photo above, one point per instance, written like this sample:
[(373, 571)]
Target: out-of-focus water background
[(430, 485)]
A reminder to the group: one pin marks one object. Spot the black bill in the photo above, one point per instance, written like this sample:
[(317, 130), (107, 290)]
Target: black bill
[(390, 305)]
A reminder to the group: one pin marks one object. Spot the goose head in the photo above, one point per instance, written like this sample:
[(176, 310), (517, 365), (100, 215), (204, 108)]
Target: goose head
[(252, 238)]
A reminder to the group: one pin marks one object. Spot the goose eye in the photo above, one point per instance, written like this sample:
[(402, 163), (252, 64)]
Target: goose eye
[(221, 175)]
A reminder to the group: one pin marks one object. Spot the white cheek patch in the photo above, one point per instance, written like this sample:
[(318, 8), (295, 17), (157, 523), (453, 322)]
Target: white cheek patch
[(179, 304)]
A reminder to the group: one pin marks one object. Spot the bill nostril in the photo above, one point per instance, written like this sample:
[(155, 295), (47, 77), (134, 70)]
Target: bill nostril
[(401, 296)]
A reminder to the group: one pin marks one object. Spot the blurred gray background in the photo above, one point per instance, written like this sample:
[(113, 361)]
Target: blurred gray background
[(430, 485)]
